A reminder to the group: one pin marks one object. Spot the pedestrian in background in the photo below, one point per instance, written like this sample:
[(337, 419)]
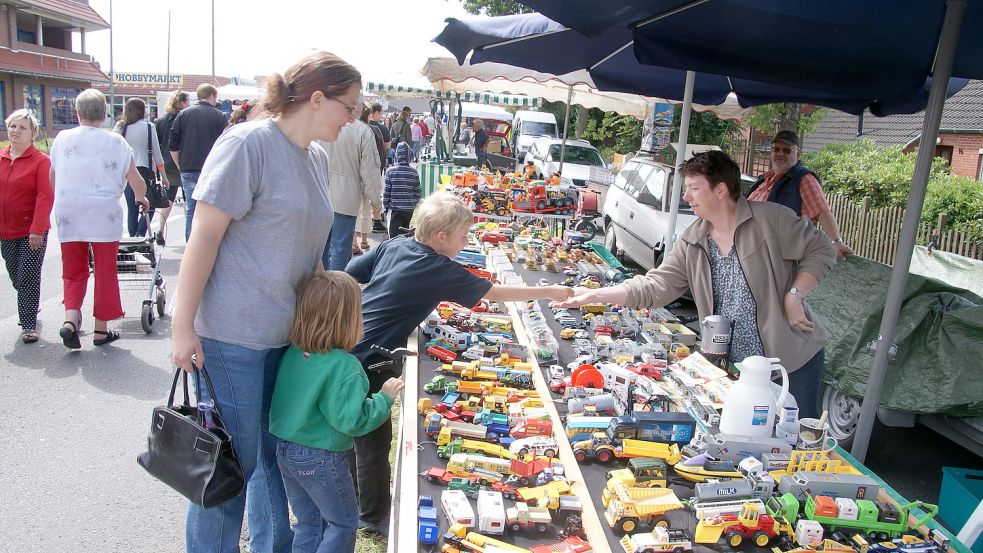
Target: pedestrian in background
[(402, 191), (192, 136), (356, 175), (263, 216), (366, 213), (416, 136), (25, 201), (138, 134), (401, 131), (89, 170), (177, 101), (239, 114)]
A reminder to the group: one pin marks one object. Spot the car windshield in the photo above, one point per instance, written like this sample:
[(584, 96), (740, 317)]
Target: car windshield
[(539, 128), (577, 154)]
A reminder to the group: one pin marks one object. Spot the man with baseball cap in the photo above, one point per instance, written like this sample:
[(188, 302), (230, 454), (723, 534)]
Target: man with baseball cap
[(795, 186)]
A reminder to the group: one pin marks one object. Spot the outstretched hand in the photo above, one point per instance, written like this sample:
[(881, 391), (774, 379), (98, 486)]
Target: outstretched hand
[(575, 297), (558, 293)]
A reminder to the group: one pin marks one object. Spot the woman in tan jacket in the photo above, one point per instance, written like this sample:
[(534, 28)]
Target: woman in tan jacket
[(753, 262)]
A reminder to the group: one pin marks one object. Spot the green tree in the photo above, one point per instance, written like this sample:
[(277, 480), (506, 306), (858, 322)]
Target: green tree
[(494, 7), (705, 127), (864, 170), (787, 116)]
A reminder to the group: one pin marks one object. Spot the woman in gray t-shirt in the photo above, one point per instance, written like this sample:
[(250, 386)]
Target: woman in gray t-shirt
[(262, 218)]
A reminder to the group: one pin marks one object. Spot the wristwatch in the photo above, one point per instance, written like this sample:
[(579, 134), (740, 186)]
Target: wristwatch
[(837, 241), (795, 292)]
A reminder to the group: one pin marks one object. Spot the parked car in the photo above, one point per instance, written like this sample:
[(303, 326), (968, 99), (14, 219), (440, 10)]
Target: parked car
[(578, 157), (636, 211)]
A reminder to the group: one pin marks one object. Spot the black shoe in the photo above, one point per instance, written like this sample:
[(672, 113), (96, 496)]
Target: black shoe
[(159, 238), (377, 226)]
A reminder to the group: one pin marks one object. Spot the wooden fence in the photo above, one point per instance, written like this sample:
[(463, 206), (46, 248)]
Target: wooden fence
[(874, 233)]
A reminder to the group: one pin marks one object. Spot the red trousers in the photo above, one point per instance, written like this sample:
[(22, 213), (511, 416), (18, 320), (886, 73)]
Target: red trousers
[(75, 275)]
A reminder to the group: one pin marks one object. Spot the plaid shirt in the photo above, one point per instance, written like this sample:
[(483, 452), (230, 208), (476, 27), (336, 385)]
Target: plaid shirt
[(813, 199)]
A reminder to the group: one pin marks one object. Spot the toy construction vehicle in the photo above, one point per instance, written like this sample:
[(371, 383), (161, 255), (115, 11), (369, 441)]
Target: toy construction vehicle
[(750, 524)]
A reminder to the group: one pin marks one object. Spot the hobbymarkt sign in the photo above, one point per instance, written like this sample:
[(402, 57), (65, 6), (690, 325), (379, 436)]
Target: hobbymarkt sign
[(148, 79)]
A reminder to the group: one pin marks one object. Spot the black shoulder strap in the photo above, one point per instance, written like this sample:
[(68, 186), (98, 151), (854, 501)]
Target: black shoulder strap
[(150, 150)]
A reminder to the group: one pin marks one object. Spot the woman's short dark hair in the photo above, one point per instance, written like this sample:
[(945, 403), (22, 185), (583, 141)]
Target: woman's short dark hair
[(716, 167)]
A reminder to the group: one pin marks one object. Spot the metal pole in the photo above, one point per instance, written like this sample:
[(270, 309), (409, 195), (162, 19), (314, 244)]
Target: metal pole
[(213, 43), (677, 179), (112, 73), (946, 53), (566, 128), (168, 52)]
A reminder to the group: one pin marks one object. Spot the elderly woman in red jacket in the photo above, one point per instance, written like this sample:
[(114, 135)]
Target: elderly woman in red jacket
[(25, 208)]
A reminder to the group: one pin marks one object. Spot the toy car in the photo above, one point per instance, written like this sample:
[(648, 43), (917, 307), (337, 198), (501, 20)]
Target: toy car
[(555, 371), (543, 282), (568, 333)]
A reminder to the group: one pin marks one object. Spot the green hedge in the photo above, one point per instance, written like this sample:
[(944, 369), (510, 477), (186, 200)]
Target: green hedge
[(865, 170)]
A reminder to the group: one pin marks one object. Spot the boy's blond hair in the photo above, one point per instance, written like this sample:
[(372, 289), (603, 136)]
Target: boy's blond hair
[(329, 313), (442, 211)]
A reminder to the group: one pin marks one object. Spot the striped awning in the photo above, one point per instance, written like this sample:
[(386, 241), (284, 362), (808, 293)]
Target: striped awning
[(399, 91)]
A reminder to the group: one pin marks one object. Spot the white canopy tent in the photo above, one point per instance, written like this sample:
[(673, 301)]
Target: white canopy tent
[(238, 92), (576, 87)]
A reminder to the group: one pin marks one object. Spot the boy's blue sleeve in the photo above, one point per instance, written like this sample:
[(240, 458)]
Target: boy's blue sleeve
[(461, 286), (360, 268)]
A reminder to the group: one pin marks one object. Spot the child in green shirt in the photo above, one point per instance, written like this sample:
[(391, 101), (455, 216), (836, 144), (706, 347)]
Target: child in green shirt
[(319, 403)]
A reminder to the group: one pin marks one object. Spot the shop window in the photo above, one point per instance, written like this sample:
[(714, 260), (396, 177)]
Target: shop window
[(34, 100), (63, 106)]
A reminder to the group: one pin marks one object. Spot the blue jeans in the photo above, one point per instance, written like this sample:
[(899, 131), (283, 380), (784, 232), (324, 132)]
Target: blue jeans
[(188, 181), (322, 496), (243, 380), (804, 385), (482, 156), (136, 224), (338, 249)]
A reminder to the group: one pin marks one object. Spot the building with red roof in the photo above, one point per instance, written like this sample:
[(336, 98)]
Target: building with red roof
[(41, 66)]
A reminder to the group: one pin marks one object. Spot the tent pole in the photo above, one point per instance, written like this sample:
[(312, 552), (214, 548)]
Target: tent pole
[(677, 179), (566, 128), (909, 229)]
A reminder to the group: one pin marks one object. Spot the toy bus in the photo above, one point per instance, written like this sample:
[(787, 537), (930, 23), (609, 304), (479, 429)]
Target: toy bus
[(582, 427), (486, 469)]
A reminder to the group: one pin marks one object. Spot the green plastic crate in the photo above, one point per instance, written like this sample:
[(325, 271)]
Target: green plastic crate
[(962, 490)]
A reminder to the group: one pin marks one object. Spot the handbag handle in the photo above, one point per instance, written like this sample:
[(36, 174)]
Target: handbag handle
[(199, 372)]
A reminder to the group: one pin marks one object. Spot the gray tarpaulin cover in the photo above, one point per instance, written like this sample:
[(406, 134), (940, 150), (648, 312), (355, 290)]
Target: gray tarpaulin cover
[(939, 365)]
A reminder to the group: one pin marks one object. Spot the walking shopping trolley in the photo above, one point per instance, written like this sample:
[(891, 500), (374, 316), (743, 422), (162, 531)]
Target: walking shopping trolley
[(138, 268)]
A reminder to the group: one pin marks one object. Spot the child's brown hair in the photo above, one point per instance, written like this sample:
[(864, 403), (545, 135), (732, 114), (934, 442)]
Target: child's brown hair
[(329, 313)]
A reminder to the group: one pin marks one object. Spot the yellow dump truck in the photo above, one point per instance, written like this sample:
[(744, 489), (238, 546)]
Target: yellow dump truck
[(629, 507), (459, 537)]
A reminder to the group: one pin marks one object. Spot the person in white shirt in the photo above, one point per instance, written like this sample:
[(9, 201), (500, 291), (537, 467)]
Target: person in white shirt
[(90, 167)]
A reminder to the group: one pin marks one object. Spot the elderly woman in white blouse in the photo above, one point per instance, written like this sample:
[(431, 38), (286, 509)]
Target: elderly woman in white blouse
[(89, 169)]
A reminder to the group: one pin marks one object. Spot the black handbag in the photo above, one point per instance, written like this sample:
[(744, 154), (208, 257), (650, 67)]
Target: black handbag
[(189, 449), (156, 192)]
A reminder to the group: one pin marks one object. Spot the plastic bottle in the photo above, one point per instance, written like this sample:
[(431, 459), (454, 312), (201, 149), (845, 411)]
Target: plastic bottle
[(750, 407), (205, 408)]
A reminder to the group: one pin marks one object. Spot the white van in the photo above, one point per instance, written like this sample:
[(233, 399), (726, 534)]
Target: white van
[(528, 126)]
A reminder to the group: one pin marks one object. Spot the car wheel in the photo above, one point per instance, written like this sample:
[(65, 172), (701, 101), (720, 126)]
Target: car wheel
[(844, 414), (611, 241)]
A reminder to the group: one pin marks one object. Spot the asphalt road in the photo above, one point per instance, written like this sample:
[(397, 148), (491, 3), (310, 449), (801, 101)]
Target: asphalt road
[(72, 424)]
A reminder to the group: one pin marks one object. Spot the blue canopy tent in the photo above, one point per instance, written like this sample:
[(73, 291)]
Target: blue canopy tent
[(888, 56)]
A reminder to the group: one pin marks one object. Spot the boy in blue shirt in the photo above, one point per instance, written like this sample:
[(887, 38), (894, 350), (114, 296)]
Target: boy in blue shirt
[(406, 278)]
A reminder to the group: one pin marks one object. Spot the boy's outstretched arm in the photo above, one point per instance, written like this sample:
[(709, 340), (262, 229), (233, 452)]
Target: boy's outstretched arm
[(499, 292)]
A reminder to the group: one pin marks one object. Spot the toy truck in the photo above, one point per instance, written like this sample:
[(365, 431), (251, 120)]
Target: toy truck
[(450, 429), (461, 539), (525, 472), (469, 486), (881, 522), (659, 540), (542, 199), (677, 428), (853, 486), (456, 508), (526, 427), (629, 507), (427, 526), (437, 384), (750, 523), (441, 354), (641, 473), (523, 516), (461, 445), (600, 447)]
